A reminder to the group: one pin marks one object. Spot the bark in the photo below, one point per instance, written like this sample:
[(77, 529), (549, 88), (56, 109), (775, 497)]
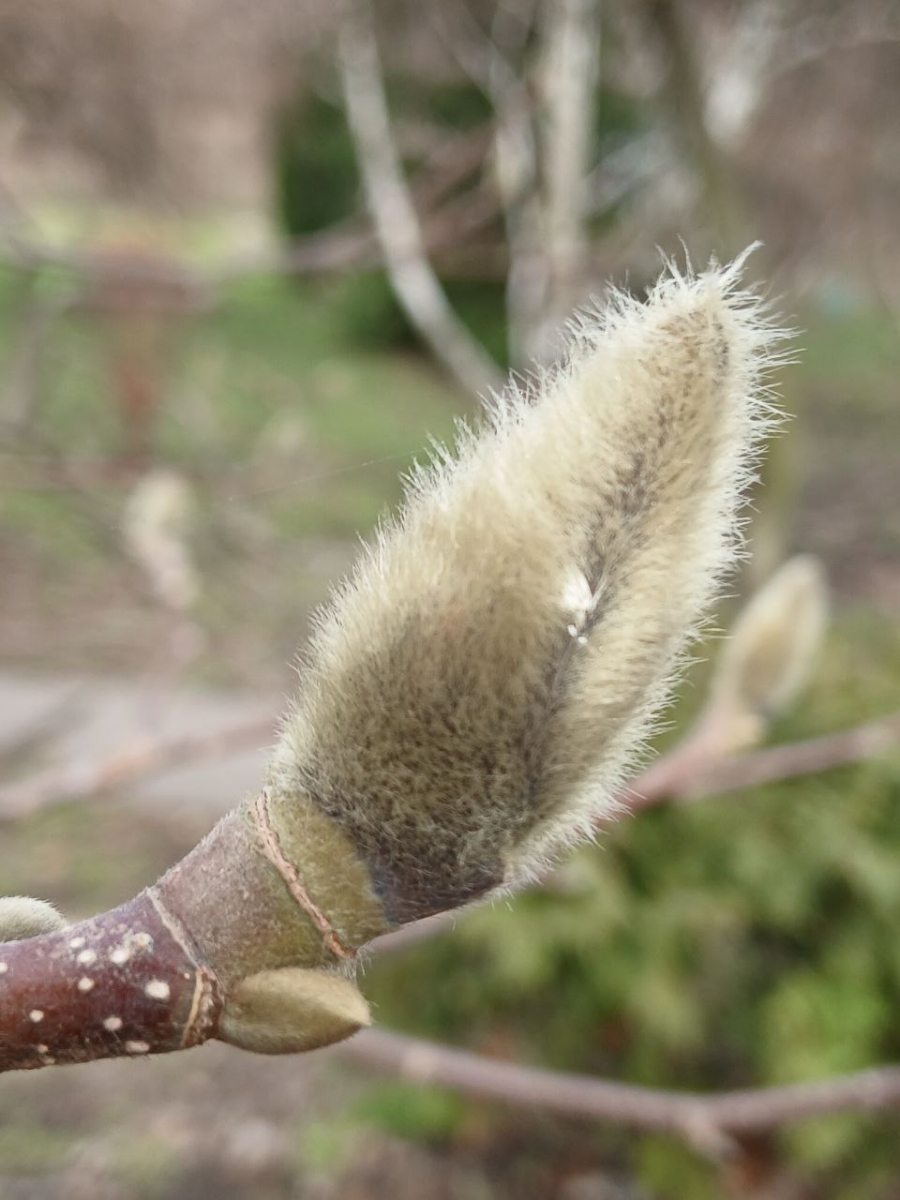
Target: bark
[(272, 888)]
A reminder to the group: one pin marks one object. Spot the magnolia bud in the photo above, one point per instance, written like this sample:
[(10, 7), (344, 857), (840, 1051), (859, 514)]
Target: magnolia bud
[(767, 658), (22, 917), (475, 693), (293, 1009)]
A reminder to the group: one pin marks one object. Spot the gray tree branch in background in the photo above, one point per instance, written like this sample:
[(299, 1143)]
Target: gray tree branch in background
[(709, 1122), (569, 78), (542, 152), (492, 62), (397, 225)]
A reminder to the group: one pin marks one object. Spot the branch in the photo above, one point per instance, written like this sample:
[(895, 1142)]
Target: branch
[(228, 944), (40, 730), (700, 1118), (685, 776), (545, 233), (137, 760), (570, 81), (516, 177), (337, 249), (396, 222)]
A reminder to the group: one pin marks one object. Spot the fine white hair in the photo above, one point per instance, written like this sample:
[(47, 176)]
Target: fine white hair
[(475, 693)]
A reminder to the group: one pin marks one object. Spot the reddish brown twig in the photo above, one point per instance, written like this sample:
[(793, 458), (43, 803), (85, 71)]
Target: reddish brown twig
[(158, 973), (687, 775), (123, 983), (700, 1118)]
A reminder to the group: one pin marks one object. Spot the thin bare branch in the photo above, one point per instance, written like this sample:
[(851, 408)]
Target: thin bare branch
[(545, 233), (682, 776), (40, 731), (702, 1119), (569, 78), (516, 173), (396, 221), (413, 934), (137, 760)]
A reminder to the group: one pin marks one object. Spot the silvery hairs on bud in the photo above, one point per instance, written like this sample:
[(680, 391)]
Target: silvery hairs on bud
[(475, 693), (24, 917)]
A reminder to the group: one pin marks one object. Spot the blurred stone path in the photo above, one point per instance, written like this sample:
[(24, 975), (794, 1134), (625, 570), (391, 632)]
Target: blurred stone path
[(88, 718)]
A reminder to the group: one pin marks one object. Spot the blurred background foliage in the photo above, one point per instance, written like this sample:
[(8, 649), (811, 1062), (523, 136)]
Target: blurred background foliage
[(744, 939)]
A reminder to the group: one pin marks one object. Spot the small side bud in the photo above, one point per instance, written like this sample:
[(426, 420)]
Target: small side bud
[(22, 917), (292, 1009), (766, 662)]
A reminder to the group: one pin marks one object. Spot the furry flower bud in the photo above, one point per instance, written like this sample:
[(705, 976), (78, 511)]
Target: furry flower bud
[(474, 694), (767, 659), (23, 917)]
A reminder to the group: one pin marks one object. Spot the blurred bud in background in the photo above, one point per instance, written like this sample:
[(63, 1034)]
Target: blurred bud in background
[(156, 526), (766, 662)]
